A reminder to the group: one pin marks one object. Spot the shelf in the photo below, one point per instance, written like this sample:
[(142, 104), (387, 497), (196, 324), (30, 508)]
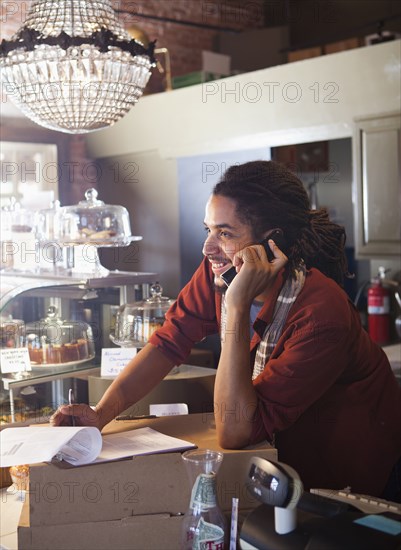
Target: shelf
[(13, 283), (51, 373)]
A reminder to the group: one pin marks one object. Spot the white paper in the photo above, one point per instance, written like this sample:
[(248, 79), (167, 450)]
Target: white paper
[(168, 409), (115, 359), (28, 445), (14, 360), (80, 444), (142, 441)]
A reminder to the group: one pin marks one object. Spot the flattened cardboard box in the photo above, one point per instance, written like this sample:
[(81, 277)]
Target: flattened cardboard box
[(151, 484), (150, 532)]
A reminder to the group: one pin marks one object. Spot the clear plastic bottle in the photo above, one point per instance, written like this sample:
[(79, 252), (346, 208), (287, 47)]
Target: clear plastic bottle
[(204, 524)]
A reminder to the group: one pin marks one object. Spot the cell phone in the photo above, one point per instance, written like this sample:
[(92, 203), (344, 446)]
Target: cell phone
[(278, 238)]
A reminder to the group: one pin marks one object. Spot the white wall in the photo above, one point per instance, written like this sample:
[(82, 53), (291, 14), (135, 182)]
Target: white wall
[(309, 100), (207, 118)]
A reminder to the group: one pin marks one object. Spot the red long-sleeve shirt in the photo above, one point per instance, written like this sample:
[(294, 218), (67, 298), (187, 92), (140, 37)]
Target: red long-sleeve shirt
[(327, 393)]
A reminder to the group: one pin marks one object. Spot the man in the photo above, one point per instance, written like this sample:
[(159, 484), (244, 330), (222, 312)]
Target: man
[(296, 367)]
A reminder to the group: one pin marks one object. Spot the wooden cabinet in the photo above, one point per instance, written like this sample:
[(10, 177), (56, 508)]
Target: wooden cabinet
[(377, 186)]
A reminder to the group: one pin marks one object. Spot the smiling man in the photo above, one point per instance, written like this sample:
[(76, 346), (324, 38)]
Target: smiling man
[(296, 366)]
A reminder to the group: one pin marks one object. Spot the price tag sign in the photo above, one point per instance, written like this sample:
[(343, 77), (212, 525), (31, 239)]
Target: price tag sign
[(115, 359), (14, 360)]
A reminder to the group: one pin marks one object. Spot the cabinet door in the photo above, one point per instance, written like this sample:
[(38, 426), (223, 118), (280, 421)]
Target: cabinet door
[(377, 186)]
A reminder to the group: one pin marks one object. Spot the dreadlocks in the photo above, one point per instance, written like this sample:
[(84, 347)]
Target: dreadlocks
[(267, 196)]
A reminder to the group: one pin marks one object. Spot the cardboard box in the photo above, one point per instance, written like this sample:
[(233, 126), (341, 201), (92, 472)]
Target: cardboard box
[(307, 53), (342, 45), (150, 532), (153, 484)]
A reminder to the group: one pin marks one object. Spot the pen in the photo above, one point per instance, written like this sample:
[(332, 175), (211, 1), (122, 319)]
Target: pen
[(133, 417), (71, 402)]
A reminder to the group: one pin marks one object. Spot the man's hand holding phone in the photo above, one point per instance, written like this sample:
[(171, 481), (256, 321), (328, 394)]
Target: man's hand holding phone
[(276, 239), (259, 265)]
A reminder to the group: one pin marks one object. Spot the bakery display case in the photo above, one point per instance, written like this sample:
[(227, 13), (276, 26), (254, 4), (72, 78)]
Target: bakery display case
[(63, 322), (58, 302)]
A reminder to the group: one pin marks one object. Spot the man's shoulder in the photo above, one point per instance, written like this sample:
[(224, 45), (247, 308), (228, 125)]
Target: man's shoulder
[(316, 282), (324, 297)]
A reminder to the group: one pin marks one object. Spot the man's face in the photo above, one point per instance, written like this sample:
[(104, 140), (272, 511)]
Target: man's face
[(226, 235)]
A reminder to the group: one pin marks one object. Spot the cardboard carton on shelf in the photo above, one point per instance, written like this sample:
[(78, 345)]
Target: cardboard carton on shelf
[(342, 45), (306, 53), (125, 497)]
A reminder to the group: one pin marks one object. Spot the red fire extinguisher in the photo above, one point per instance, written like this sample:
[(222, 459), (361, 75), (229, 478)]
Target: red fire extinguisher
[(379, 309)]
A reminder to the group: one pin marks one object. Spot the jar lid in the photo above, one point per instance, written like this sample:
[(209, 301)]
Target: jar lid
[(23, 220), (156, 291), (156, 300), (53, 322), (92, 221)]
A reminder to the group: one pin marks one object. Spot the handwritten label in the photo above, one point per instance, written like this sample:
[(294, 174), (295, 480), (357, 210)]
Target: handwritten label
[(14, 360), (168, 409), (115, 359)]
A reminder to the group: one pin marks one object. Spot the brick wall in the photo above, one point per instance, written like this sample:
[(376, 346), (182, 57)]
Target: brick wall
[(185, 45)]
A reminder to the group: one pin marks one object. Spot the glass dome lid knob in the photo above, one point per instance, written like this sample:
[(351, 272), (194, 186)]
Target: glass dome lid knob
[(91, 198), (156, 290), (52, 312)]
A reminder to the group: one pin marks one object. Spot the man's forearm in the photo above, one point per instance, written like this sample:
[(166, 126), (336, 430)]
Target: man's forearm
[(235, 399)]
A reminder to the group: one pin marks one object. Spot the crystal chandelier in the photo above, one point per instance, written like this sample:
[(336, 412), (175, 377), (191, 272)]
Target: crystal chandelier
[(72, 67)]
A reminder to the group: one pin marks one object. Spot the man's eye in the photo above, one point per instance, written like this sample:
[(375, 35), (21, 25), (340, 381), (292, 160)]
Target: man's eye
[(207, 229), (225, 235)]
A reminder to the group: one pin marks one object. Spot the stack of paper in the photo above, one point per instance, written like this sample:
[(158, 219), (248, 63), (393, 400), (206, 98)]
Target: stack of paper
[(81, 444)]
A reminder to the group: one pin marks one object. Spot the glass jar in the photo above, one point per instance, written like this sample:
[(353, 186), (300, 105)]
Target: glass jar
[(6, 245), (52, 341), (91, 221), (12, 332), (136, 322), (204, 525), (47, 224), (53, 256), (24, 247), (20, 477)]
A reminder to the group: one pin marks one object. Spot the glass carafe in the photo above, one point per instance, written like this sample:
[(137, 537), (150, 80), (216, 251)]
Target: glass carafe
[(204, 525)]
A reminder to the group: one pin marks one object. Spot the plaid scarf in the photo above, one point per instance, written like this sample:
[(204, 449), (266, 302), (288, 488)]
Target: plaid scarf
[(288, 294)]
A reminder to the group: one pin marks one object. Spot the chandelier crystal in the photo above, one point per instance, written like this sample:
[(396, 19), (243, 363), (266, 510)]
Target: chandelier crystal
[(72, 67)]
